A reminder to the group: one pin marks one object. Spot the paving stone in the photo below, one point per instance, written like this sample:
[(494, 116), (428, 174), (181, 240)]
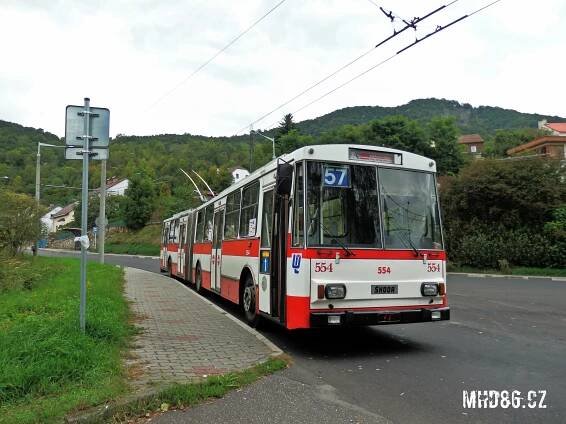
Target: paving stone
[(183, 337)]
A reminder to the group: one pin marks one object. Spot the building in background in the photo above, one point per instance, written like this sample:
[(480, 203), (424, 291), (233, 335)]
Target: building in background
[(48, 221), (473, 142), (554, 128), (239, 174), (64, 216), (117, 186), (551, 146)]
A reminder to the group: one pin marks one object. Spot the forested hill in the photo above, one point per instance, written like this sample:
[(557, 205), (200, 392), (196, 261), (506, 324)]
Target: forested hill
[(483, 120)]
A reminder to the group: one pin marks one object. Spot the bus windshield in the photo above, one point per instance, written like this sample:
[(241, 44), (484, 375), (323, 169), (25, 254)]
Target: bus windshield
[(344, 206), (410, 209)]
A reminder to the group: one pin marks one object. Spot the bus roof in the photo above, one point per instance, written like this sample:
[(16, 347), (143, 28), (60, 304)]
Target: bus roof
[(349, 153)]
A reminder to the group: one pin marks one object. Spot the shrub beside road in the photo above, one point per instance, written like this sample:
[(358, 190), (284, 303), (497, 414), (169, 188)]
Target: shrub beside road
[(141, 242), (47, 366)]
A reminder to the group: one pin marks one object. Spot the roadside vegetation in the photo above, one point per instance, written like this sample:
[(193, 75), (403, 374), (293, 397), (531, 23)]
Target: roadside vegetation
[(506, 214), (181, 396), (47, 366), (141, 242)]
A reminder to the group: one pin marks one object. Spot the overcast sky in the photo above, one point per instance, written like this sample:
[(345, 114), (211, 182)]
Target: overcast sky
[(125, 55)]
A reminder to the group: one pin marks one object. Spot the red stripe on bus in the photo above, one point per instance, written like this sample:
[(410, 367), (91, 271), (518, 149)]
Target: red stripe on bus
[(297, 312), (383, 308), (243, 247), (202, 248), (330, 253), (205, 275), (172, 247), (230, 289)]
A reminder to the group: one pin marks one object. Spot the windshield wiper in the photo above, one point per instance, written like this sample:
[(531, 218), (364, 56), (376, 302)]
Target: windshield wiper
[(343, 246), (408, 240), (314, 221)]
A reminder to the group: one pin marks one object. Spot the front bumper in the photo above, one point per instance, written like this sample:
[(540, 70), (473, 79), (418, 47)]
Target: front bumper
[(355, 318)]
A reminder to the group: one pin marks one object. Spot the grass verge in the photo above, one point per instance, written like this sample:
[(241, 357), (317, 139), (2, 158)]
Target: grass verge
[(47, 366), (184, 395), (142, 242), (132, 249), (530, 271)]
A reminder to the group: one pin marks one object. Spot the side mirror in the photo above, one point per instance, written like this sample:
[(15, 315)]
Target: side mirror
[(284, 178)]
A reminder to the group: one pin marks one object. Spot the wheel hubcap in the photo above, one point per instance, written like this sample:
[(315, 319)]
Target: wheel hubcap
[(247, 299)]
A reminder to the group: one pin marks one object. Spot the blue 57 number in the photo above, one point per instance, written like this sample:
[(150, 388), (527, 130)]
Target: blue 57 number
[(336, 177)]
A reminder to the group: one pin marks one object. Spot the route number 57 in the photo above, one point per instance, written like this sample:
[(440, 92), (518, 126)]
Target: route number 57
[(336, 177)]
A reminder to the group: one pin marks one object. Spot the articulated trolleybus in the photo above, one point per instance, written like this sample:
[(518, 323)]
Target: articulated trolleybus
[(327, 235)]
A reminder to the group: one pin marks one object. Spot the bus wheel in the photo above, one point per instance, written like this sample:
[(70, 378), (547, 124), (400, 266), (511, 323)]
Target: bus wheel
[(198, 280), (248, 301)]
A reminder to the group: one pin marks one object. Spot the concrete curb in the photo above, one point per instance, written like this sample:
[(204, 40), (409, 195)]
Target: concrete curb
[(77, 252), (523, 277), (275, 351)]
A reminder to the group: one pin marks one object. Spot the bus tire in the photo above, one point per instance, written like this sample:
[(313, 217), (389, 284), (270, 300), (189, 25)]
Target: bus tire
[(198, 280), (248, 301)]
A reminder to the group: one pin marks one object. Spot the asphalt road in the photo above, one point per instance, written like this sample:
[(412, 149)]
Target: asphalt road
[(505, 334)]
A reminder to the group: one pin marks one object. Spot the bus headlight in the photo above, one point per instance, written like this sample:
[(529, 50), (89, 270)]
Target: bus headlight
[(429, 289), (335, 291)]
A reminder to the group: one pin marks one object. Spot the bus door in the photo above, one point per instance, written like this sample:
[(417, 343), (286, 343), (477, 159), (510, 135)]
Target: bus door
[(265, 252), (283, 185), (182, 250), (216, 255)]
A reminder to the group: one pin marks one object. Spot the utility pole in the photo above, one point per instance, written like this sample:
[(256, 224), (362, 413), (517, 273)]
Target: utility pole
[(84, 212), (37, 188), (102, 214), (269, 138)]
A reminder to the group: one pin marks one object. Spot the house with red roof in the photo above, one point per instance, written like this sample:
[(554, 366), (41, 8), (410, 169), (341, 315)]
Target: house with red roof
[(473, 142), (555, 128), (551, 146)]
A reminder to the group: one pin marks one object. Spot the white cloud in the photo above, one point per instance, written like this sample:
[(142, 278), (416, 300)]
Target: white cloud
[(125, 55)]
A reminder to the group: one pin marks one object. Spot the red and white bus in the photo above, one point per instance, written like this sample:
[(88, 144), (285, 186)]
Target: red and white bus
[(327, 235)]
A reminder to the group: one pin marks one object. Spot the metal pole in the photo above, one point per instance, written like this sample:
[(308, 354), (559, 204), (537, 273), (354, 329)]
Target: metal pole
[(37, 183), (102, 214), (84, 212), (273, 145)]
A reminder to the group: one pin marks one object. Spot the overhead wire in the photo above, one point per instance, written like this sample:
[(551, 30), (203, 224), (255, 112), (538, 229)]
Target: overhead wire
[(408, 24), (436, 31), (218, 53)]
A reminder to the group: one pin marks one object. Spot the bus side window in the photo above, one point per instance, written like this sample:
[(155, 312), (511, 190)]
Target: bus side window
[(248, 216), (232, 215), (200, 226), (208, 222), (298, 207)]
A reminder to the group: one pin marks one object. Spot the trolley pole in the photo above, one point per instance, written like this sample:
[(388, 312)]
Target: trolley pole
[(84, 212), (102, 214)]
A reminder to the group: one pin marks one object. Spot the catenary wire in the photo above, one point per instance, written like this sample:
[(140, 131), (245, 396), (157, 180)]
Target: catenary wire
[(408, 25), (218, 53), (383, 62)]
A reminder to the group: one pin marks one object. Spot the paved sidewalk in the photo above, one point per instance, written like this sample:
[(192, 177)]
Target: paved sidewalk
[(185, 337)]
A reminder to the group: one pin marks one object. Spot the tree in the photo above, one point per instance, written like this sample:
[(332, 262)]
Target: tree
[(443, 136), (19, 221), (504, 140), (286, 125), (398, 132), (139, 203), (292, 141)]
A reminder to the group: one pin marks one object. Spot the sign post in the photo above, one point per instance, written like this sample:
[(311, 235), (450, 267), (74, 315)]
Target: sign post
[(91, 126)]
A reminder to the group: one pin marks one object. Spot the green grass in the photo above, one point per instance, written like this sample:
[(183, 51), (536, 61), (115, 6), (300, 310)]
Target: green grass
[(132, 249), (143, 242), (541, 272), (47, 366), (183, 395)]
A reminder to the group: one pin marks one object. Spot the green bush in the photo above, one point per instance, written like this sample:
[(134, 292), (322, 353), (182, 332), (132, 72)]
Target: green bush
[(506, 211)]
